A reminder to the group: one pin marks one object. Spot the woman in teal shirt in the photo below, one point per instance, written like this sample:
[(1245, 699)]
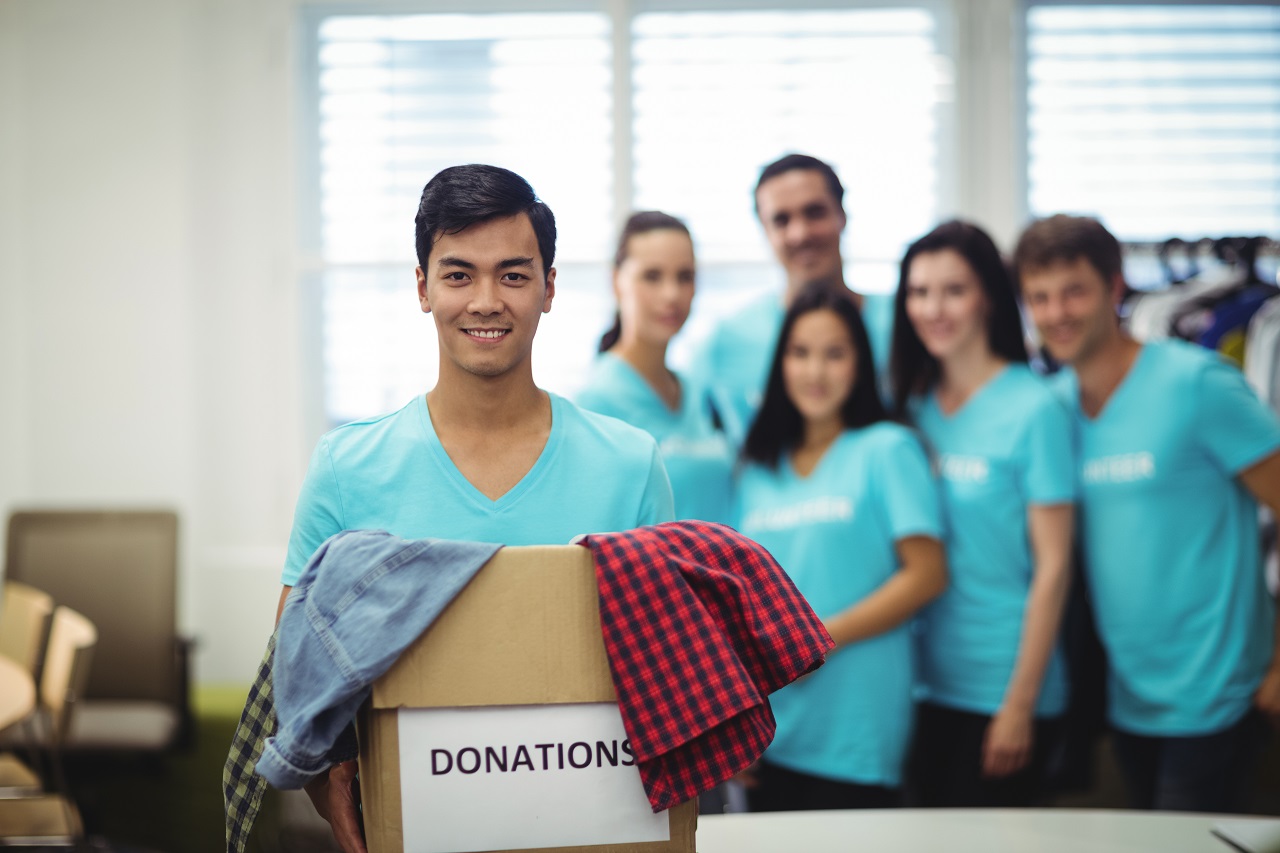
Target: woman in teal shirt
[(653, 281), (1001, 443), (844, 500)]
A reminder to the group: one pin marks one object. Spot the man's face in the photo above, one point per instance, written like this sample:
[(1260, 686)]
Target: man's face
[(1073, 308), (485, 288), (803, 223)]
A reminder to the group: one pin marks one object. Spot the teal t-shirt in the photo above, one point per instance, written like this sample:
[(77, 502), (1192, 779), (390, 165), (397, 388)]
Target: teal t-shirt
[(733, 363), (1007, 448), (1171, 541), (594, 475), (834, 532), (698, 458)]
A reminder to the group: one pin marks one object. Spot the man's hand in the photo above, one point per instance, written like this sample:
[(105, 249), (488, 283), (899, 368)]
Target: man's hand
[(1267, 699), (1007, 746), (336, 797)]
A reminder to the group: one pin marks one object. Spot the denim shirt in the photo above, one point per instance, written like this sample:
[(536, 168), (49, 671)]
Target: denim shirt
[(364, 597)]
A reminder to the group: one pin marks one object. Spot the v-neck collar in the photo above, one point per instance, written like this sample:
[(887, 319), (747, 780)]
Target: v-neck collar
[(527, 482), (978, 393), (1118, 393), (634, 376)]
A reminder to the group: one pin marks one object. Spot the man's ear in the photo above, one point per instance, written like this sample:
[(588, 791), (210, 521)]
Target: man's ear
[(1117, 289), (551, 290), (422, 290)]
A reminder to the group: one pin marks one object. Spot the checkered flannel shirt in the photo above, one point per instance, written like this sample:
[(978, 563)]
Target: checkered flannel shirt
[(700, 625), (242, 788)]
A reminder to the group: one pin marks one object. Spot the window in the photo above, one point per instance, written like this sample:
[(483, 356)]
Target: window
[(1163, 120), (604, 112)]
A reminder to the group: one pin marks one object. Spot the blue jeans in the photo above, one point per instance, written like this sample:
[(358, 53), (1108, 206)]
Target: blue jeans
[(1203, 773)]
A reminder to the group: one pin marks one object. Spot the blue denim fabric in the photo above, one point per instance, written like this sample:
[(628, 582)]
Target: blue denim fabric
[(361, 600)]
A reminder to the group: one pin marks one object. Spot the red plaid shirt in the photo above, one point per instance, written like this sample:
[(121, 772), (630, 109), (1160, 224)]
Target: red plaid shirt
[(700, 625)]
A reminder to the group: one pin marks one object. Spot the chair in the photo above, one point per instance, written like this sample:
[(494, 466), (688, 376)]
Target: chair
[(52, 819), (118, 568), (24, 622)]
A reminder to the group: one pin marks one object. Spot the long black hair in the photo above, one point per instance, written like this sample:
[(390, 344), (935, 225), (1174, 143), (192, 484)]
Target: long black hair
[(779, 426), (912, 369), (637, 223)]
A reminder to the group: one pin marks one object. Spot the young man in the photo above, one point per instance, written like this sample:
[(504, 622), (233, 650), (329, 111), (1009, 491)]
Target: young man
[(799, 200), (485, 455), (1176, 452)]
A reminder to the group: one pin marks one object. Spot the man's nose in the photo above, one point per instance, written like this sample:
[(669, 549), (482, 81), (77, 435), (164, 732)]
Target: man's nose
[(486, 297)]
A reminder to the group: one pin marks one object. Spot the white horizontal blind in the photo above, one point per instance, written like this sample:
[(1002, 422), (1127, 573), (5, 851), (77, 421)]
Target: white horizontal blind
[(403, 96), (1164, 120)]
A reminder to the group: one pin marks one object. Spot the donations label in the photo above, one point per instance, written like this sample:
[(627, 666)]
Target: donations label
[(520, 777)]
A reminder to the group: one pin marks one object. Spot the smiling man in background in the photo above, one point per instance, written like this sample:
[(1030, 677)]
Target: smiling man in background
[(800, 204), (1176, 454)]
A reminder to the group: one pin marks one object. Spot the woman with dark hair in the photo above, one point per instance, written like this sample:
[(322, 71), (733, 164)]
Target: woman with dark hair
[(844, 500), (653, 282), (990, 665)]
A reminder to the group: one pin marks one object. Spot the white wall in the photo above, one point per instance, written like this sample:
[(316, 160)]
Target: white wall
[(148, 302), (150, 311)]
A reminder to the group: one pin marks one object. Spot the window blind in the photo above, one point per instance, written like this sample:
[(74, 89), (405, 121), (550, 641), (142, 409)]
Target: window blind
[(1164, 120)]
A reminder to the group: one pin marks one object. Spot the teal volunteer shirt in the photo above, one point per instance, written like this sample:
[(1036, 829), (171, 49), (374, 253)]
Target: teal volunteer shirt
[(733, 363), (595, 475), (1171, 540), (834, 532), (698, 458), (1009, 447)]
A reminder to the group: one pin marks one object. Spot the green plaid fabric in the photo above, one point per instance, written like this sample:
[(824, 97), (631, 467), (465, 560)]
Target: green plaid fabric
[(242, 789)]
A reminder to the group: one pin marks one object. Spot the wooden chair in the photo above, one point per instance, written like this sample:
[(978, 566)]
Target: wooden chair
[(24, 624), (52, 819)]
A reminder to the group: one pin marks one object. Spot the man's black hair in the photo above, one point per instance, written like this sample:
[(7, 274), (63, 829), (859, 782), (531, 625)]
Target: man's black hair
[(461, 196), (791, 163)]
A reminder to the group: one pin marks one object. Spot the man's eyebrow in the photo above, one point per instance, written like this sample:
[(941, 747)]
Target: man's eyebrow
[(453, 261), (515, 262)]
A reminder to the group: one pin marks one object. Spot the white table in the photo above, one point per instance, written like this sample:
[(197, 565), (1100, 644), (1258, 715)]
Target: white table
[(965, 831), (17, 693)]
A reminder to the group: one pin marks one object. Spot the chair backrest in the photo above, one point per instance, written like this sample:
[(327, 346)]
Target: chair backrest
[(66, 666), (118, 568), (24, 622)]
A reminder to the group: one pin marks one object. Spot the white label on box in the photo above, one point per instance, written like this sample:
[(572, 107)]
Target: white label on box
[(520, 777)]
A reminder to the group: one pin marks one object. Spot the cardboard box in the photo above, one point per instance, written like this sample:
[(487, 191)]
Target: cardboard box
[(519, 649)]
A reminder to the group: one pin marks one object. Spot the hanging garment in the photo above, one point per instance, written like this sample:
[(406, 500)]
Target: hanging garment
[(1152, 315), (1262, 353)]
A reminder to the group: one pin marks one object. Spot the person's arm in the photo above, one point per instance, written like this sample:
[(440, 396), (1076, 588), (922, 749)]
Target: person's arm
[(921, 577), (1262, 479), (1009, 737)]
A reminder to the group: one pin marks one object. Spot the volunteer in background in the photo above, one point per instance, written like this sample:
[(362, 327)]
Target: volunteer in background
[(485, 455), (1176, 453), (845, 502), (653, 283), (990, 664), (800, 203)]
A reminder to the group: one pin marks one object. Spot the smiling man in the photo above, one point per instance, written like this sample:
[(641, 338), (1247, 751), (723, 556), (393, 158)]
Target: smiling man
[(800, 203), (1176, 454), (485, 455)]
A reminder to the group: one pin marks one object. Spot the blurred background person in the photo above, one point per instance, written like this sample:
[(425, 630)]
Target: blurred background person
[(845, 501), (991, 664), (800, 205), (654, 282)]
